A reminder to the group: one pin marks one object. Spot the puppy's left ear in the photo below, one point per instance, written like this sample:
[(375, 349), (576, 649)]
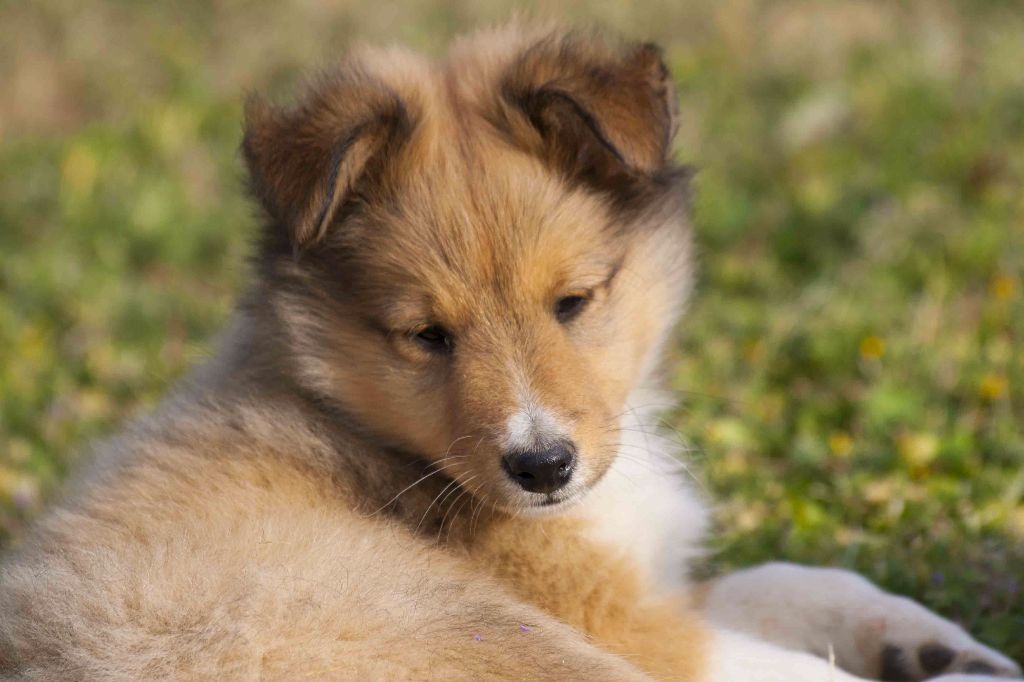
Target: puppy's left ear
[(599, 113)]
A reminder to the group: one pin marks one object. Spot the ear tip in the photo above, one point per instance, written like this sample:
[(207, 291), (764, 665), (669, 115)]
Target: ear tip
[(650, 57), (261, 122), (256, 111), (649, 47)]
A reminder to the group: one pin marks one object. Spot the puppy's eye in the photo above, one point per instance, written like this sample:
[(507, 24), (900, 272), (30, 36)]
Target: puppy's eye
[(568, 307), (434, 338)]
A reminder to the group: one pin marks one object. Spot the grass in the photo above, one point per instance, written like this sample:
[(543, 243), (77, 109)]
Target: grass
[(852, 368)]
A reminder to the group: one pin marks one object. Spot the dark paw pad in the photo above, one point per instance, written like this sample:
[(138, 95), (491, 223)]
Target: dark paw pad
[(934, 657), (895, 666)]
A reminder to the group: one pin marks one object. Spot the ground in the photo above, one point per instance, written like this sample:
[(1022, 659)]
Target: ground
[(850, 374)]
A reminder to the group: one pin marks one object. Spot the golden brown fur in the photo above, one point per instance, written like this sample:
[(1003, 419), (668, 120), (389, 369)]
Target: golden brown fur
[(325, 497)]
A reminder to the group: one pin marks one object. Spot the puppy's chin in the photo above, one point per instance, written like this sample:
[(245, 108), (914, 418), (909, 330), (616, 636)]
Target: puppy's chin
[(522, 503)]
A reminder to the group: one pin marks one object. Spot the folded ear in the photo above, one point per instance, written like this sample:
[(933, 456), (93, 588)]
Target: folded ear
[(306, 162), (599, 113)]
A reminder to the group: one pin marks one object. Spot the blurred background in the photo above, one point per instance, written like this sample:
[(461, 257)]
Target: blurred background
[(851, 373)]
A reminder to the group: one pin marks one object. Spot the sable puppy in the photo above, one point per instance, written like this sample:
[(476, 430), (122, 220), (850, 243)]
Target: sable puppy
[(420, 449)]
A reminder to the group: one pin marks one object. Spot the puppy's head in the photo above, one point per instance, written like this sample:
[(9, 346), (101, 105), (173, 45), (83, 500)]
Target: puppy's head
[(478, 260)]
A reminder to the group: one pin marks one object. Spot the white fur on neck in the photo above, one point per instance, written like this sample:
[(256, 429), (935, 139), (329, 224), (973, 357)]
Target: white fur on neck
[(645, 505)]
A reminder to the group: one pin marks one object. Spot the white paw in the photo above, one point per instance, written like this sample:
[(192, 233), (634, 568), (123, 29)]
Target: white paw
[(912, 643)]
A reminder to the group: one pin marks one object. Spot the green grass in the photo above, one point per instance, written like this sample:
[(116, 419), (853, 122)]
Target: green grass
[(852, 367)]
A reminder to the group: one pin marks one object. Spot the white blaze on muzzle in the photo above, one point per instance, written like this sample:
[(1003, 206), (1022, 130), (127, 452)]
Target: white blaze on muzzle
[(532, 426)]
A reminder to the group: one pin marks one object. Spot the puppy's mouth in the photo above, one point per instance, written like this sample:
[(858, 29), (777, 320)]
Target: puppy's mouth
[(556, 504), (548, 504)]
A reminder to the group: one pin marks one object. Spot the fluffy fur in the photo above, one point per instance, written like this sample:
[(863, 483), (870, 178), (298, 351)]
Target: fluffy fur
[(461, 259)]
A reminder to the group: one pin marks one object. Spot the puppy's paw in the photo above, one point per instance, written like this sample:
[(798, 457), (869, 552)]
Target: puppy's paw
[(915, 644)]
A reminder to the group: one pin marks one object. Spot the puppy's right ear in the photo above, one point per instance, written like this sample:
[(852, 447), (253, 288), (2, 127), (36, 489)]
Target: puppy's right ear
[(307, 162)]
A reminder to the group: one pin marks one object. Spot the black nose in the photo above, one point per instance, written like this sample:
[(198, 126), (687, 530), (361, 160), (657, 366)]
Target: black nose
[(542, 471)]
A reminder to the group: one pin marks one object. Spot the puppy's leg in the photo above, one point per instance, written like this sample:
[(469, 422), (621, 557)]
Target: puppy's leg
[(873, 633)]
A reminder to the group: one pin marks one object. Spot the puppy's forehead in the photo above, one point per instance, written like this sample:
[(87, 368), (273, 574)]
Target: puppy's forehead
[(488, 218)]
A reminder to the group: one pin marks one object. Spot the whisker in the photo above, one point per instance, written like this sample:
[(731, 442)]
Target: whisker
[(468, 499), (482, 494), (656, 456), (466, 491), (462, 492), (684, 448), (429, 506), (409, 487), (447, 457)]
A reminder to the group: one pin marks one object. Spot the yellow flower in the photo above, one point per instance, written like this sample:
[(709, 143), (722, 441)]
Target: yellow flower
[(79, 170), (840, 443), (918, 449), (1003, 287), (872, 347), (753, 351), (993, 386)]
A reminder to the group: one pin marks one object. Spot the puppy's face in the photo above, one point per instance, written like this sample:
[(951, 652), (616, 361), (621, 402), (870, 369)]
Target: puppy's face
[(474, 264)]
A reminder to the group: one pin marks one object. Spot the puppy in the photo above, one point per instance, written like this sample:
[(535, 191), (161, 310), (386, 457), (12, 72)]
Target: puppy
[(421, 449)]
